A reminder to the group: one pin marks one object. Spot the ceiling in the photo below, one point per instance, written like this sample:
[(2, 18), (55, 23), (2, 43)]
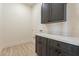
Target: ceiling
[(31, 4)]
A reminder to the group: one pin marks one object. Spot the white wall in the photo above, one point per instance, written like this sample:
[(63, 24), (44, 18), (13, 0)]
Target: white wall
[(1, 33), (36, 19), (16, 24), (68, 28)]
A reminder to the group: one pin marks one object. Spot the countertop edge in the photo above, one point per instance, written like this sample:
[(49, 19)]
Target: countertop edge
[(70, 40)]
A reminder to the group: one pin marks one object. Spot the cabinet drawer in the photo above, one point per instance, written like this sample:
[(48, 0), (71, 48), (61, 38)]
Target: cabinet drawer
[(60, 52), (53, 51), (63, 53), (65, 47), (68, 48), (61, 45)]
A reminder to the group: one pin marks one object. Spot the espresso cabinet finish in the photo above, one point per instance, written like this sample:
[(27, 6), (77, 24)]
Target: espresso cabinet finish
[(53, 12), (50, 47), (41, 46), (45, 13)]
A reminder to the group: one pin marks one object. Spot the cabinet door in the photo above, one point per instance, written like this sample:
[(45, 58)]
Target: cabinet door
[(45, 12), (38, 46), (58, 12), (51, 50), (41, 46)]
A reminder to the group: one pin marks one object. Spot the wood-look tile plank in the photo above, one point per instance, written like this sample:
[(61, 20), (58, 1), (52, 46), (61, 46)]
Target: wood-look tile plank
[(25, 49)]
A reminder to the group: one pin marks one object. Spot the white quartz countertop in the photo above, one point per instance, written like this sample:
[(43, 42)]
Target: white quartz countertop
[(62, 38)]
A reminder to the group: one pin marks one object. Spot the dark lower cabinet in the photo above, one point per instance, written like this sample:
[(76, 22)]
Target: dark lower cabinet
[(50, 47), (51, 50), (41, 46)]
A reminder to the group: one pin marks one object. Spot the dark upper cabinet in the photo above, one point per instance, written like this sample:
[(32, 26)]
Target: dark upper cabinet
[(45, 13), (53, 12)]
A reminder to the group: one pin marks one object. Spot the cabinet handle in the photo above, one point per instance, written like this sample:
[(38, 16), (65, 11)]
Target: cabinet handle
[(58, 51)]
